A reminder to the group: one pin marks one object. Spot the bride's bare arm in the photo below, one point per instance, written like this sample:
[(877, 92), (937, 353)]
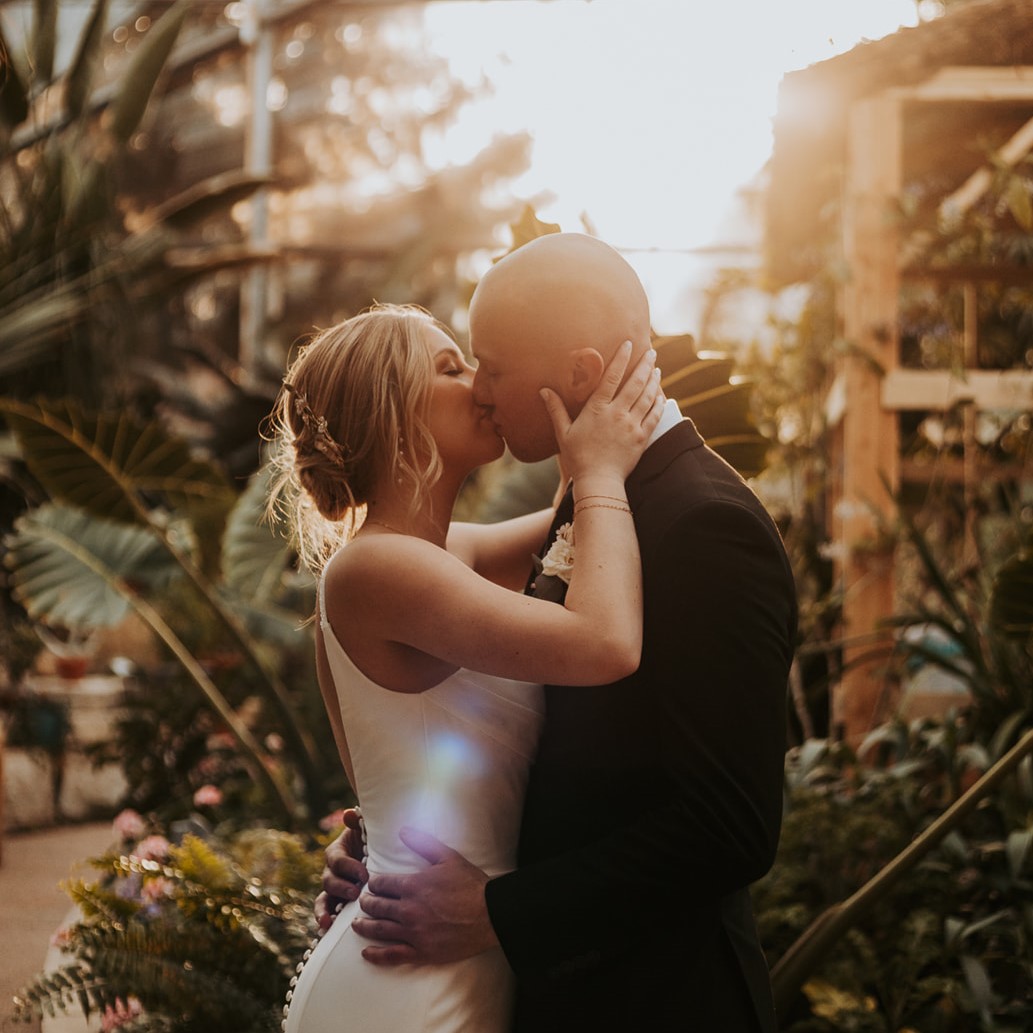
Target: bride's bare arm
[(501, 552), (422, 597)]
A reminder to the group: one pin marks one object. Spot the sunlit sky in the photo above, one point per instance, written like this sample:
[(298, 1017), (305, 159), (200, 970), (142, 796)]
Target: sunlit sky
[(647, 115)]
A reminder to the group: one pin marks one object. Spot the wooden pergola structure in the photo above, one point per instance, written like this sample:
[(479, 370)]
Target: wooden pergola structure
[(851, 135)]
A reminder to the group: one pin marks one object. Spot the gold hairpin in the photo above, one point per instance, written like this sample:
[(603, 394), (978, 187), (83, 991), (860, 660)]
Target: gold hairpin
[(322, 439)]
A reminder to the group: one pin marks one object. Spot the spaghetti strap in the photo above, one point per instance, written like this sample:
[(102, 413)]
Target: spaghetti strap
[(321, 600)]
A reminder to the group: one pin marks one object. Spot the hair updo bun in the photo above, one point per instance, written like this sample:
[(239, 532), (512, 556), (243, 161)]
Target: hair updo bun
[(353, 395)]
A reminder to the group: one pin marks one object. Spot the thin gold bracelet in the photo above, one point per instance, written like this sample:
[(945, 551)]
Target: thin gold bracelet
[(600, 505), (612, 498)]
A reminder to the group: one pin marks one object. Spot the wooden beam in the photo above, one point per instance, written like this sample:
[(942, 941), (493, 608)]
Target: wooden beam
[(1010, 154), (939, 390), (956, 204), (870, 456), (947, 469), (970, 83)]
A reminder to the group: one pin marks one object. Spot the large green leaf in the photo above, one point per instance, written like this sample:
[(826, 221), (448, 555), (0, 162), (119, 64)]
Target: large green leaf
[(71, 569), (212, 196), (136, 87), (44, 38), (80, 74), (254, 557), (111, 465)]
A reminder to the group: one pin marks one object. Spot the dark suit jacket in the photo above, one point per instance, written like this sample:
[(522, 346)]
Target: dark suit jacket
[(654, 802)]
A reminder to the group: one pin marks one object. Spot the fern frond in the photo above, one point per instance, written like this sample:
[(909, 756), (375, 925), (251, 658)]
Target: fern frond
[(58, 991), (100, 904), (200, 863)]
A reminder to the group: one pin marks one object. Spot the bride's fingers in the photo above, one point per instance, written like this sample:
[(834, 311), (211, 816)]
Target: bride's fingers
[(639, 388), (647, 396), (656, 410), (610, 383), (557, 412)]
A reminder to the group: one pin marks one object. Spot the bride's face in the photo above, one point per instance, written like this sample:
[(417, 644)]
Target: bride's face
[(462, 429)]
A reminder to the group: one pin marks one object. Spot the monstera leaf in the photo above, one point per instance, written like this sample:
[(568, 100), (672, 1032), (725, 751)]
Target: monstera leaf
[(257, 577), (113, 466), (76, 571), (254, 557)]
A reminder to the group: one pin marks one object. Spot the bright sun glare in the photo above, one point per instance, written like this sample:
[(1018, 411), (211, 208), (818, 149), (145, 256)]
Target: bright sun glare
[(647, 117)]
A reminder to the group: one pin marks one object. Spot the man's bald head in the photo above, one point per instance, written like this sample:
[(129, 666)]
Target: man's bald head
[(552, 313), (566, 291)]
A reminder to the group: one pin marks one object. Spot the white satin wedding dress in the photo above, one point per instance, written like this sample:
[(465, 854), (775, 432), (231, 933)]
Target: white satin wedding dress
[(453, 761)]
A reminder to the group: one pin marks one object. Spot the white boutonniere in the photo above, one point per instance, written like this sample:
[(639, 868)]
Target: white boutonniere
[(559, 560)]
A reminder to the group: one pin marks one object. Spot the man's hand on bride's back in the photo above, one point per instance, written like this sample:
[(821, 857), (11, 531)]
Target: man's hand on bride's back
[(344, 874)]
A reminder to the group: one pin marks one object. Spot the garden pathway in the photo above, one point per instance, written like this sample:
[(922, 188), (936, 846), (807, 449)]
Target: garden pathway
[(31, 904)]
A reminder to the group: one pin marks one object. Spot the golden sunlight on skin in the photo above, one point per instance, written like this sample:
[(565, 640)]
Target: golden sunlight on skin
[(646, 117)]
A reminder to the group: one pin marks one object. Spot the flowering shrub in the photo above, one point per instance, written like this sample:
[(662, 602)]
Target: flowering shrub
[(200, 936)]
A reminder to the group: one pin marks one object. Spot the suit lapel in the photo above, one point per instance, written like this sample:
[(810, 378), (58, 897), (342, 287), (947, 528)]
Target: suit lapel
[(653, 463), (564, 515)]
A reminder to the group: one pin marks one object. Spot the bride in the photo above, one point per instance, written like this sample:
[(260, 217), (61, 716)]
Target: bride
[(430, 657)]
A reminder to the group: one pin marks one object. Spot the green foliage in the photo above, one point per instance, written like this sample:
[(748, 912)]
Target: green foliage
[(951, 948), (111, 464), (71, 567), (73, 272), (204, 940)]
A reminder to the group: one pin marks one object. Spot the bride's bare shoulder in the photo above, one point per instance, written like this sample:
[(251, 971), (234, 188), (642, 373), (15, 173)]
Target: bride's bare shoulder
[(381, 559)]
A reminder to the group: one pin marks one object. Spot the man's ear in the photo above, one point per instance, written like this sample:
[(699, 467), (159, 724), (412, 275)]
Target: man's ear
[(584, 371)]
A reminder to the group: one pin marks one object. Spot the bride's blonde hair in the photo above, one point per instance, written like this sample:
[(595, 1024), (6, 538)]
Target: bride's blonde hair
[(352, 411)]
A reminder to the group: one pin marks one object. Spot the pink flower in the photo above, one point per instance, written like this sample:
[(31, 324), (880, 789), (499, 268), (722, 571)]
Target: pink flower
[(119, 1014), (208, 796), (154, 890), (334, 820), (220, 741), (153, 848), (61, 938), (128, 824)]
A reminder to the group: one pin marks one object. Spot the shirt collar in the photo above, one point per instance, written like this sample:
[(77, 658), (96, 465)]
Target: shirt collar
[(669, 418)]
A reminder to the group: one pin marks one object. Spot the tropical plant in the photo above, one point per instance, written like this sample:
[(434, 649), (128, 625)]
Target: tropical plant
[(200, 936), (936, 937), (71, 270), (964, 792), (136, 512)]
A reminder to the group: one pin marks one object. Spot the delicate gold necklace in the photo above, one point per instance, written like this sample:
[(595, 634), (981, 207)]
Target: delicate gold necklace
[(381, 523)]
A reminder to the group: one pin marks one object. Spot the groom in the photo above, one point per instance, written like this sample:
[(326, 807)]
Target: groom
[(654, 802)]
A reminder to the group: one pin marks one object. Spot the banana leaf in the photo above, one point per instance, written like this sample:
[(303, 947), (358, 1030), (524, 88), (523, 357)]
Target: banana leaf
[(111, 465), (67, 568)]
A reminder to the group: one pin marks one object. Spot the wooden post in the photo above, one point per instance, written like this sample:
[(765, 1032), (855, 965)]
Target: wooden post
[(869, 433)]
